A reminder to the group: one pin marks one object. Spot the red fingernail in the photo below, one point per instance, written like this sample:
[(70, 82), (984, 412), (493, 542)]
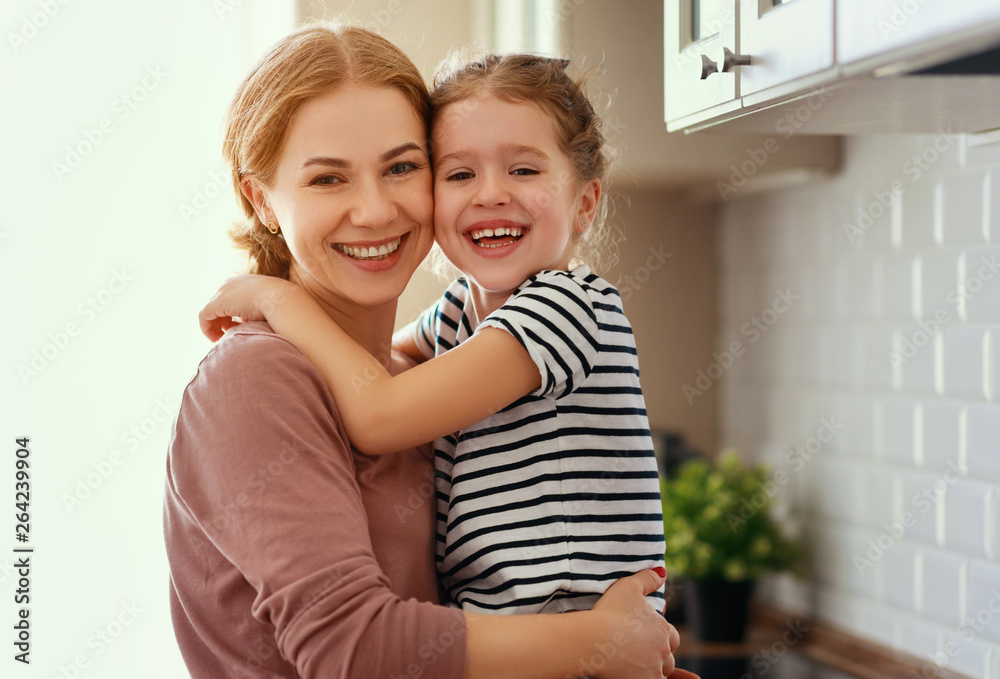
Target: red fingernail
[(661, 571)]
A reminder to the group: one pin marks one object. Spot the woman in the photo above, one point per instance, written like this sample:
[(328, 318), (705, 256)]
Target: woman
[(291, 554)]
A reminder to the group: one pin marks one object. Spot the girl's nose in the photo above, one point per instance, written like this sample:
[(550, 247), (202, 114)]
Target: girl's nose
[(491, 191)]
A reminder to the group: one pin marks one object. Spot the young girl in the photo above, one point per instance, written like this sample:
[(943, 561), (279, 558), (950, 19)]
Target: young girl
[(547, 489)]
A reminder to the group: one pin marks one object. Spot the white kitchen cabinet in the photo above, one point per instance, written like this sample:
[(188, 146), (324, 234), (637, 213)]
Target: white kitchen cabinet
[(695, 32), (706, 41), (870, 29), (786, 40)]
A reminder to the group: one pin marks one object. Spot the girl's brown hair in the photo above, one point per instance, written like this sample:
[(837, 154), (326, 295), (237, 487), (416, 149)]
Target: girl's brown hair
[(544, 82), (310, 62)]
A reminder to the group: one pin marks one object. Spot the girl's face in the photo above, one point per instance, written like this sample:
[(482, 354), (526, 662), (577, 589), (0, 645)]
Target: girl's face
[(507, 203), (352, 195)]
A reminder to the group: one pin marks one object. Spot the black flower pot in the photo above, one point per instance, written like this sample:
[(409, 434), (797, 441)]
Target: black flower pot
[(718, 610)]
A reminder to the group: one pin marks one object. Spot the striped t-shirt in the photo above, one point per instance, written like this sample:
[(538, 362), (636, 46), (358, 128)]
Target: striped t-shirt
[(543, 505)]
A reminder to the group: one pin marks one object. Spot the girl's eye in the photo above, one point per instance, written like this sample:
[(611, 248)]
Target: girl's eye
[(524, 171), (459, 176), (402, 168)]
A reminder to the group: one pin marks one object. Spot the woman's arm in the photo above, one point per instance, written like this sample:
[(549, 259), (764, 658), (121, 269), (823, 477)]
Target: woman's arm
[(622, 636), (382, 413)]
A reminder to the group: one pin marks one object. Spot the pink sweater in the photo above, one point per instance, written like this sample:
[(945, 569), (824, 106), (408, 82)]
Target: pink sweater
[(291, 554)]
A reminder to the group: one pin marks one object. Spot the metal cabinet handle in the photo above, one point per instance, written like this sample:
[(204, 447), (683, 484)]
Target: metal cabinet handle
[(708, 67), (730, 60)]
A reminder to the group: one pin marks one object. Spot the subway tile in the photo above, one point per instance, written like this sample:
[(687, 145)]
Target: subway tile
[(983, 606), (923, 503), (897, 431), (967, 504), (980, 285), (897, 287), (835, 487), (878, 347), (920, 638), (861, 562), (860, 282), (993, 221), (858, 430), (984, 442), (963, 209), (916, 358), (964, 361), (919, 205), (877, 623), (968, 656), (944, 578), (941, 435), (836, 607), (938, 283), (879, 502), (991, 359), (900, 588)]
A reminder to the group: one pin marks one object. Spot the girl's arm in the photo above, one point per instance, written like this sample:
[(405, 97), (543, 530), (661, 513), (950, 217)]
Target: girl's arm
[(403, 342), (383, 413)]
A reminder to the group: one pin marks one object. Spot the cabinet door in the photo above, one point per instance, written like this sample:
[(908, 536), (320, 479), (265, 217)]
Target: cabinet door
[(786, 39), (869, 28), (693, 31)]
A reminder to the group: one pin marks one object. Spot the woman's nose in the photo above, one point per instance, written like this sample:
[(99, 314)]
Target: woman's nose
[(373, 206)]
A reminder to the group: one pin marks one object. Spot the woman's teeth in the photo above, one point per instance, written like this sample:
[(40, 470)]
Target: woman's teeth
[(370, 252), (514, 232)]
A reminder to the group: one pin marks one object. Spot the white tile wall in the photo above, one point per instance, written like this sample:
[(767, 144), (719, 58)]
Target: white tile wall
[(921, 428)]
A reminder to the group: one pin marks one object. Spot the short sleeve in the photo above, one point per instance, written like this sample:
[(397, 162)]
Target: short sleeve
[(553, 317), (446, 324)]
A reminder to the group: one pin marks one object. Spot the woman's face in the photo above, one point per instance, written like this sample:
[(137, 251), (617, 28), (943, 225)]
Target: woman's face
[(352, 195)]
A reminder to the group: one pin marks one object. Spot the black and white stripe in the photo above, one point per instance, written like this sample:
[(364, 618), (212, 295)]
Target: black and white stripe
[(545, 504)]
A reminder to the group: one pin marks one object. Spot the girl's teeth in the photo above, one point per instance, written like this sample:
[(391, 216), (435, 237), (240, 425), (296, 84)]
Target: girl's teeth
[(502, 231)]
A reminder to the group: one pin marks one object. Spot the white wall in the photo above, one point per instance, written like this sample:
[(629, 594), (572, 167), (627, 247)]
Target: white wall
[(107, 257), (901, 504)]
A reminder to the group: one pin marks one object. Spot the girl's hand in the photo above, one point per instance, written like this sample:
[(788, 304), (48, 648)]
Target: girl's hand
[(247, 297), (640, 642)]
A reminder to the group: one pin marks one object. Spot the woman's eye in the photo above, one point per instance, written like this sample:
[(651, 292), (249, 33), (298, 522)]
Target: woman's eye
[(402, 168), (325, 180), (459, 176), (524, 171)]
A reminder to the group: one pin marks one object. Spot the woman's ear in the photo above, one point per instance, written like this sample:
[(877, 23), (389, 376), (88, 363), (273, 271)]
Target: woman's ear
[(589, 200), (253, 192)]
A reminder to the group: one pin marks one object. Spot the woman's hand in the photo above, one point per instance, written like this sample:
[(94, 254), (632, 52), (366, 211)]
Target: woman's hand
[(248, 297), (640, 642)]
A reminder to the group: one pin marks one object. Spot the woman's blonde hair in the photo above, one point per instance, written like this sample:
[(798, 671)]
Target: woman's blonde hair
[(310, 62), (544, 82)]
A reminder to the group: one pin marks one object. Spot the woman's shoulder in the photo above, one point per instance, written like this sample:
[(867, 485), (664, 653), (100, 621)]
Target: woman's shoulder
[(250, 360)]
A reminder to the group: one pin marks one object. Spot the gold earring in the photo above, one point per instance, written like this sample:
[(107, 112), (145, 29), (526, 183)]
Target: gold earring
[(273, 228)]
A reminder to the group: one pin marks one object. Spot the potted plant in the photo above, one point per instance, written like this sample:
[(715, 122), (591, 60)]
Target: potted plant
[(721, 538)]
